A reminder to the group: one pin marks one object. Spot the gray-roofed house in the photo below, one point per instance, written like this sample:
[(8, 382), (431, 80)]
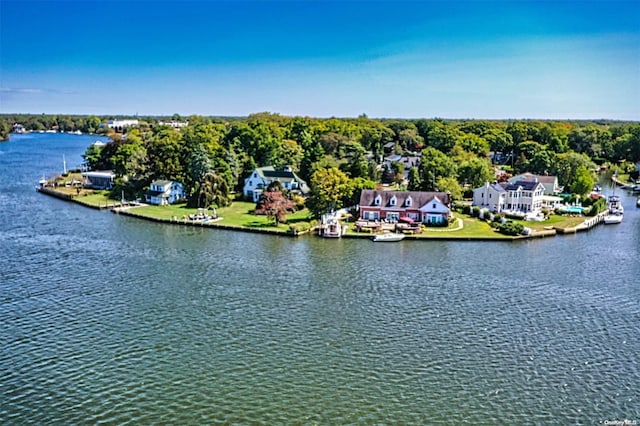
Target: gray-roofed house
[(524, 196), (163, 192), (390, 206), (520, 196), (550, 183), (261, 177)]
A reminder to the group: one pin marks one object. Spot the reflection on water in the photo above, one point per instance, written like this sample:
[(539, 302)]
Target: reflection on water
[(111, 319)]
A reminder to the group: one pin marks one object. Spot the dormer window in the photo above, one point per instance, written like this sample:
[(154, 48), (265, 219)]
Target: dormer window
[(393, 201), (408, 202), (378, 200)]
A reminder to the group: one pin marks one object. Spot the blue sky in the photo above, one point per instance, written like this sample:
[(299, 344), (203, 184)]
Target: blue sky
[(418, 59)]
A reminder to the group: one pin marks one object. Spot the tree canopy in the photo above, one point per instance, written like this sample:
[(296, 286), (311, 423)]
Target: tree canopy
[(339, 156)]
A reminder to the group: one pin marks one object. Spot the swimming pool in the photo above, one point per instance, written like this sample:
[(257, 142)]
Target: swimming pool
[(573, 210)]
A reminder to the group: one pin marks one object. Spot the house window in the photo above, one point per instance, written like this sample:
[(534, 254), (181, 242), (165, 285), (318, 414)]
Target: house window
[(408, 202), (393, 201), (434, 206), (371, 215), (378, 200), (393, 216)]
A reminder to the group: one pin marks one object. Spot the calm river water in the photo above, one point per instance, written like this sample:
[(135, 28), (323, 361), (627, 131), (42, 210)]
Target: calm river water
[(113, 320)]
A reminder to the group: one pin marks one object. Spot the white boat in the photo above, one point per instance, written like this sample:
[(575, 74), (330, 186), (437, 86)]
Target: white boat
[(332, 229), (387, 237), (615, 205), (616, 211), (612, 219)]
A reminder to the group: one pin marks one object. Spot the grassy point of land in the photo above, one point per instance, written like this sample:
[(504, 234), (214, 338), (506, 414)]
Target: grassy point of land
[(555, 221), (238, 214)]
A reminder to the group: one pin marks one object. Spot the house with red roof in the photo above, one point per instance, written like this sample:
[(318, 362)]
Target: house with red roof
[(417, 206)]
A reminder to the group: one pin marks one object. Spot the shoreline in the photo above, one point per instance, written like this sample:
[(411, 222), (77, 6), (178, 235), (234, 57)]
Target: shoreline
[(125, 209)]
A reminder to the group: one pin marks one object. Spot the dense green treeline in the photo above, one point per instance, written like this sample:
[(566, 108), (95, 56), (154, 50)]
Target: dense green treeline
[(211, 156)]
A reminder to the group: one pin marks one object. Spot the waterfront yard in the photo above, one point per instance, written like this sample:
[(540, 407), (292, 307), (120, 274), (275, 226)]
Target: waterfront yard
[(475, 229), (555, 221), (238, 214)]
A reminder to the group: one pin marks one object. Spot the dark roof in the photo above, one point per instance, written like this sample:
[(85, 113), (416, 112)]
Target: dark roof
[(526, 185), (419, 198), (281, 174)]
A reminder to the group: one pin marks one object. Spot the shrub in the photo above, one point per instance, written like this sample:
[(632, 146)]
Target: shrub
[(514, 215), (475, 211), (438, 224), (466, 209), (598, 207), (298, 201), (510, 228), (298, 227), (587, 201)]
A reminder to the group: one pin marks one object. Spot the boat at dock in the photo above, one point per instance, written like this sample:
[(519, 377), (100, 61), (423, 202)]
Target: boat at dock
[(387, 237), (332, 229), (616, 211)]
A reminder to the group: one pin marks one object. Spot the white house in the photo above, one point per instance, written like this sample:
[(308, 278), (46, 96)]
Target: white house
[(119, 125), (492, 196), (262, 177), (524, 196), (521, 196), (163, 192), (173, 123)]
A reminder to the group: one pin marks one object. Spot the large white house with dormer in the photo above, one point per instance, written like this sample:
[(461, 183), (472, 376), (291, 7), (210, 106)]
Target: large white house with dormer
[(262, 177), (163, 192), (521, 196)]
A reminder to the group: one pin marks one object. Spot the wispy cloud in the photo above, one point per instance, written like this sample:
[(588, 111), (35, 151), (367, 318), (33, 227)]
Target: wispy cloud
[(33, 91)]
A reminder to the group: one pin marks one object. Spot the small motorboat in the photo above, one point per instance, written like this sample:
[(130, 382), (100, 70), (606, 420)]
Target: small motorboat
[(389, 237)]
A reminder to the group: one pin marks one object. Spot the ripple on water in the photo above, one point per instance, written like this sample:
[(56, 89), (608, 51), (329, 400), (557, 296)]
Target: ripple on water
[(142, 323)]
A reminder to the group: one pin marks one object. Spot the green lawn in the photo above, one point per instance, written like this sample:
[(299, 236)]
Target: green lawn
[(472, 228), (556, 221), (237, 214), (94, 198)]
